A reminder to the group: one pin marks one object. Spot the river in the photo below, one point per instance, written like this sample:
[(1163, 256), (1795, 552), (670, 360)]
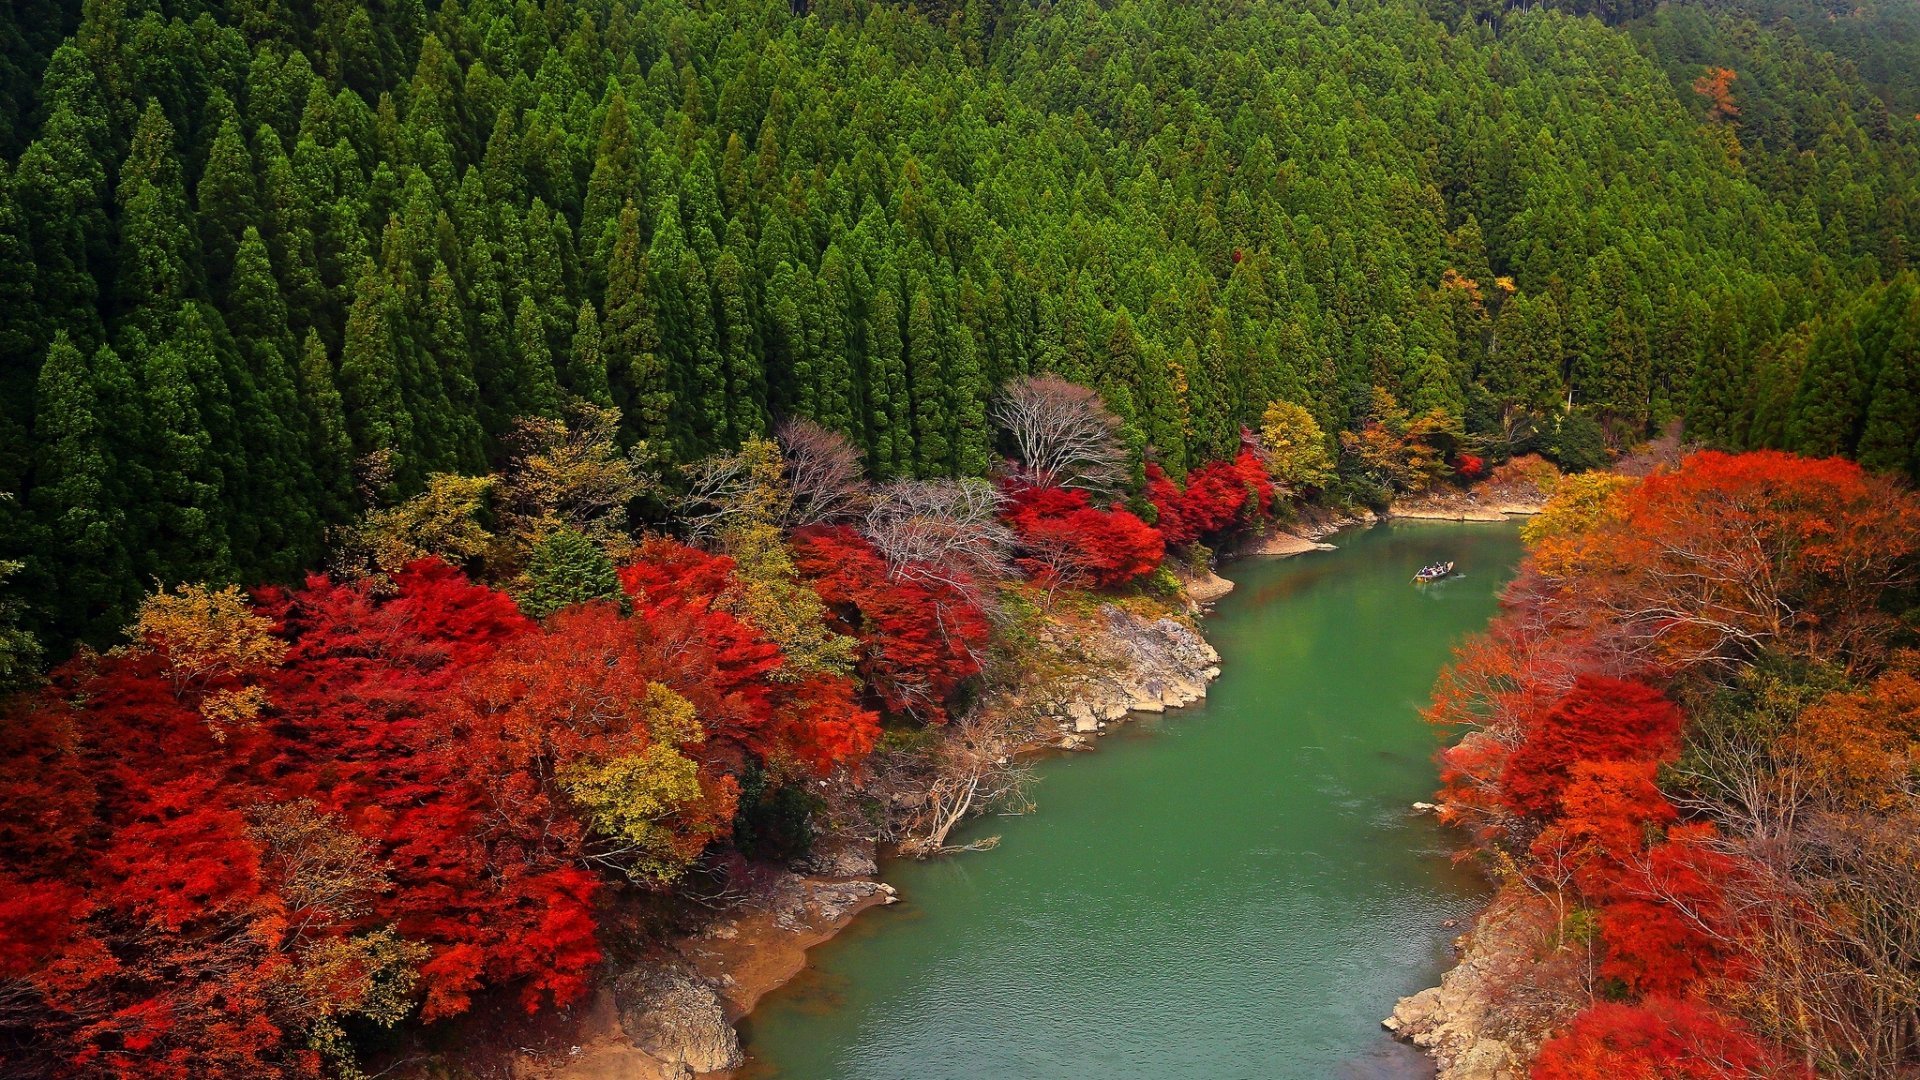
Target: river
[(1236, 891)]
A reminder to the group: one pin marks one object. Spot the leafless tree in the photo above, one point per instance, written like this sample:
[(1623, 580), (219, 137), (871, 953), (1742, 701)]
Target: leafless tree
[(732, 489), (975, 768), (1063, 434), (946, 532), (824, 474)]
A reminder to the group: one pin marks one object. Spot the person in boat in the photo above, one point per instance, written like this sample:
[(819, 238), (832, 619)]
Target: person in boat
[(1434, 571)]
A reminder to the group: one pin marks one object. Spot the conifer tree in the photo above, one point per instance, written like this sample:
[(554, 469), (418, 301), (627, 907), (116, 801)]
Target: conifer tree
[(370, 390), (155, 275), (928, 380), (746, 388), (187, 492), (1829, 403), (1891, 438), (704, 379), (635, 362), (587, 360), (616, 175), (62, 188), (567, 568), (448, 359), (226, 202), (889, 409), (967, 404), (77, 498), (536, 391), (330, 442)]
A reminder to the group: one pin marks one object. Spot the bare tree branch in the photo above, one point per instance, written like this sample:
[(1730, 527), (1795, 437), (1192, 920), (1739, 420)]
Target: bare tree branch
[(1063, 434), (824, 473)]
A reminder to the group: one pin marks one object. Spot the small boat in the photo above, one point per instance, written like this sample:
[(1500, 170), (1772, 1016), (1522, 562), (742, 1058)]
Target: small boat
[(1433, 572)]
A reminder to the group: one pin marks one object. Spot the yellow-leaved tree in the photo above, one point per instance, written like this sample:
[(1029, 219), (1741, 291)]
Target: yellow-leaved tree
[(213, 644)]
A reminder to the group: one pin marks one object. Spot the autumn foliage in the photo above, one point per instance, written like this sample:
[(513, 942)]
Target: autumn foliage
[(1735, 855), (1063, 537), (430, 804), (1658, 1039), (1599, 719), (274, 822), (921, 635), (1218, 496)]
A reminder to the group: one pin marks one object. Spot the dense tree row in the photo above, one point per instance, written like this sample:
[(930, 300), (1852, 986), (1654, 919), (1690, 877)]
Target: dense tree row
[(265, 262), (1694, 732)]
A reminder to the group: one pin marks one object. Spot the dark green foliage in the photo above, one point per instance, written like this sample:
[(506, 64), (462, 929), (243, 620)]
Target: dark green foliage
[(78, 493), (1576, 441), (339, 237), (775, 819), (565, 569)]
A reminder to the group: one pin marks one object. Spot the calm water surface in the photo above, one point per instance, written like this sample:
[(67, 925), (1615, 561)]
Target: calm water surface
[(1234, 892)]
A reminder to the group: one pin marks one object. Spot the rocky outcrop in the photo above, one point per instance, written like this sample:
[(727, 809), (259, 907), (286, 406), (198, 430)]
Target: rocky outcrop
[(838, 856), (1205, 590), (1487, 1017), (799, 904), (677, 1019), (1138, 665)]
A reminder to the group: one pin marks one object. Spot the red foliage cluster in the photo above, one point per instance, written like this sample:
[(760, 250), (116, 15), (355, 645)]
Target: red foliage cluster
[(1219, 495), (1659, 1039), (921, 633), (1730, 554), (1470, 466), (1584, 771), (178, 905), (1685, 572), (1599, 719), (1064, 537), (731, 673)]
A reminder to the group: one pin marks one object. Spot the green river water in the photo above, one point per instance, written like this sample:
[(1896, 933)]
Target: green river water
[(1236, 891)]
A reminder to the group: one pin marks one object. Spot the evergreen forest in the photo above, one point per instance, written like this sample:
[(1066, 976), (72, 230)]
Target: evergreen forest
[(269, 264)]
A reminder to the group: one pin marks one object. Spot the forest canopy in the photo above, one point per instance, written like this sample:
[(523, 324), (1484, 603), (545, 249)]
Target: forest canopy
[(266, 265)]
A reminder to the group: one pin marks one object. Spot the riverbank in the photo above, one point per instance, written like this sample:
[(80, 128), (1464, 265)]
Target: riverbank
[(672, 1011), (1493, 1008)]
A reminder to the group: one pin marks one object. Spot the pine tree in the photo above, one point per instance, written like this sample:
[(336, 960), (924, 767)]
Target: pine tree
[(704, 380), (331, 446), (793, 382), (636, 366), (377, 417), (927, 382), (77, 499), (967, 404), (155, 271), (566, 568), (62, 188), (536, 391), (227, 205), (1830, 401), (444, 337), (1891, 439), (587, 361), (189, 538), (746, 388), (889, 408), (615, 179), (829, 339), (289, 235)]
